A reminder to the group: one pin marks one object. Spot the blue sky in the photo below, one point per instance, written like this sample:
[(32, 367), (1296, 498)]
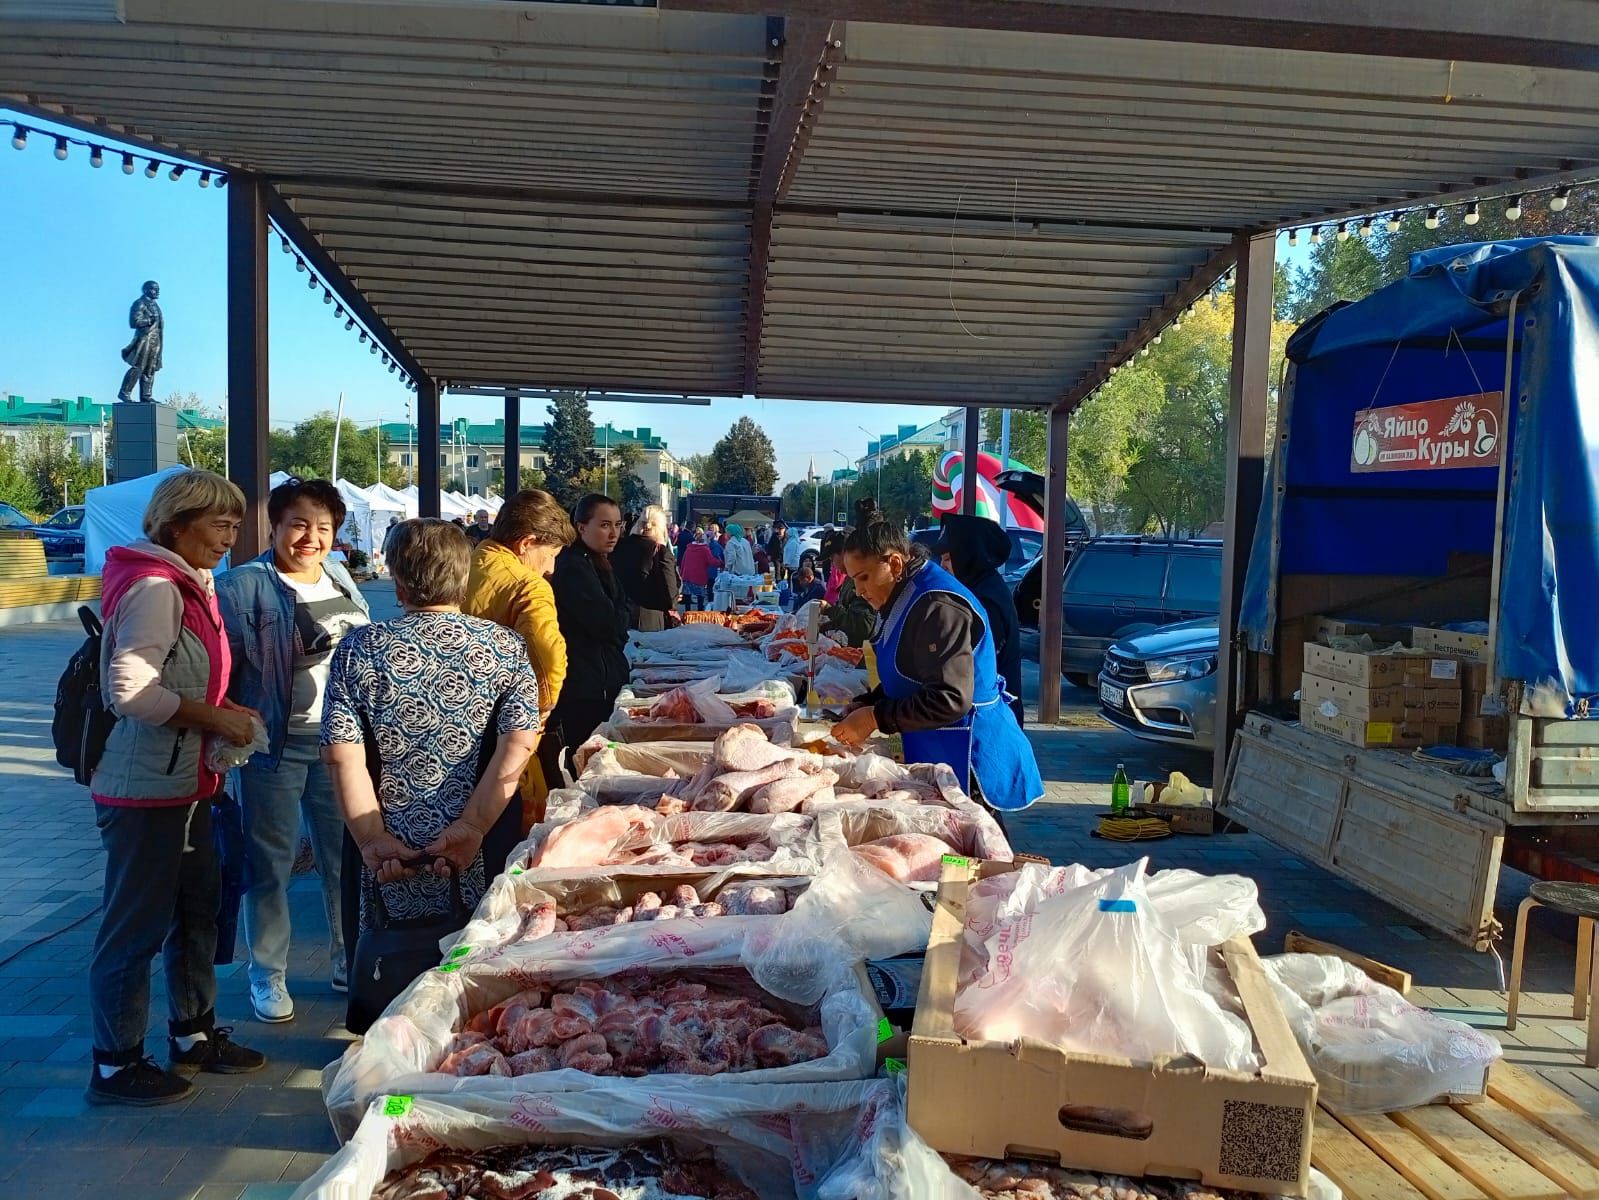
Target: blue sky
[(80, 241)]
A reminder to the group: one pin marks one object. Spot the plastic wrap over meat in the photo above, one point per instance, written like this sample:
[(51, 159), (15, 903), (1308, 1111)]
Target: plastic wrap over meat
[(1370, 1048), (1086, 960), (402, 1051), (1016, 1179), (966, 830), (638, 838), (777, 1141)]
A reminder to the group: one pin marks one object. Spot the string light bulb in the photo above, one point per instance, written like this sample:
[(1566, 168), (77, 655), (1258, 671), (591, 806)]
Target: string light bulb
[(1157, 339), (19, 138), (373, 346), (1176, 324), (338, 311), (1473, 213), (299, 263), (205, 179), (1432, 219), (1365, 227), (349, 324), (1557, 202), (1315, 235), (327, 296), (1143, 351), (1343, 231), (61, 148), (150, 169), (127, 164), (363, 337), (96, 158), (313, 283), (1293, 237), (175, 174), (1393, 222)]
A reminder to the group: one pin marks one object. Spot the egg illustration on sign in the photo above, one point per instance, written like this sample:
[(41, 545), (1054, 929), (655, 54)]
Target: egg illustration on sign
[(1366, 443)]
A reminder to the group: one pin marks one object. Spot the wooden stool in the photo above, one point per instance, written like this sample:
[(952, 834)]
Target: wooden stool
[(1580, 900)]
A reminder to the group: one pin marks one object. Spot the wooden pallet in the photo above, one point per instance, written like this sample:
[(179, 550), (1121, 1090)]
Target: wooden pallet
[(1526, 1141)]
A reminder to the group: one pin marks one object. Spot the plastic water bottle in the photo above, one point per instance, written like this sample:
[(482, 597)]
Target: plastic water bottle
[(1121, 793)]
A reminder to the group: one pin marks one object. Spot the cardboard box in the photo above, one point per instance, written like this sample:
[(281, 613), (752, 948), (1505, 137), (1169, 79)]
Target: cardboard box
[(1381, 635), (1442, 705), (1435, 733), (1353, 666), (1356, 731), (1100, 1112), (1372, 704), (1473, 676), (1198, 819), (1465, 645), (1431, 671), (1485, 733)]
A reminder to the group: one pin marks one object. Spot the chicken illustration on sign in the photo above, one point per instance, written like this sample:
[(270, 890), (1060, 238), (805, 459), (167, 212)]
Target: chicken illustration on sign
[(1431, 435)]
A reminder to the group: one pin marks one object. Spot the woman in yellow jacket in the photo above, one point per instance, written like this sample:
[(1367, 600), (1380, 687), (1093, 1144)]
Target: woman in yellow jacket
[(508, 586)]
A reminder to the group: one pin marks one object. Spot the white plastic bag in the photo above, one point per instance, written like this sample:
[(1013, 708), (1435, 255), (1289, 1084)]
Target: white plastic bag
[(837, 683), (777, 1139), (222, 755), (403, 1047), (1096, 968), (1370, 1048)]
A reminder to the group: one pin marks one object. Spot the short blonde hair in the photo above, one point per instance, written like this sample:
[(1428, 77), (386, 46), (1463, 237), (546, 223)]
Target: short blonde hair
[(653, 519), (430, 561), (187, 496)]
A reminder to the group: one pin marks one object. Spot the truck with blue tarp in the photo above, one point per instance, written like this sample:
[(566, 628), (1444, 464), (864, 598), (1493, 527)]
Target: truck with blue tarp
[(1436, 464)]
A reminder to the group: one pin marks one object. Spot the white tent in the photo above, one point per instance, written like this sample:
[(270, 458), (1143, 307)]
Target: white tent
[(382, 496), (114, 516), (371, 516), (276, 478), (492, 503)]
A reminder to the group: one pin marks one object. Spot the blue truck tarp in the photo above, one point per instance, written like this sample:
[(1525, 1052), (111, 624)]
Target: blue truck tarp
[(1443, 331)]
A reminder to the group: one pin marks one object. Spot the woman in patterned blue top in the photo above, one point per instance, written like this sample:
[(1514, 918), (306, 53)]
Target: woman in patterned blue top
[(450, 704)]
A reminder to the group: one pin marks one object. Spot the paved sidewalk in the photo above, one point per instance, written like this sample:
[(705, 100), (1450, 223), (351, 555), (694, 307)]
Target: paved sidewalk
[(256, 1136)]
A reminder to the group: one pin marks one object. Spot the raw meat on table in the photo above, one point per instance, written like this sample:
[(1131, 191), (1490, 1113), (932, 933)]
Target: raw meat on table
[(907, 857), (747, 748), (789, 792), (726, 792), (589, 840), (1018, 1180), (653, 1170), (754, 900)]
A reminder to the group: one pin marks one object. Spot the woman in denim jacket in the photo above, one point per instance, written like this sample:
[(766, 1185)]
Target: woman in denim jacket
[(285, 613)]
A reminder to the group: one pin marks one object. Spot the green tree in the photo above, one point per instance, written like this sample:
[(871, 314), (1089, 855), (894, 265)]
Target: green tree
[(626, 488), (1029, 435), (52, 467), (17, 487), (205, 448), (700, 469), (744, 461), (1337, 271), (307, 450), (569, 448), (532, 479), (1102, 439)]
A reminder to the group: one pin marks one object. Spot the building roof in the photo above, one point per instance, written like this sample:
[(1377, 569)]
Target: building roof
[(759, 201), (532, 436), (83, 410)]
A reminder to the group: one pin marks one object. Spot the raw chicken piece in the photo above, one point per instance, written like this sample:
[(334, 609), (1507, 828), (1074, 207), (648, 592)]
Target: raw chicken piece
[(481, 1059), (670, 806), (484, 1023), (684, 895), (752, 900), (747, 748), (713, 909), (760, 709), (462, 1040), (646, 902), (590, 840), (586, 1053), (539, 922), (623, 917), (521, 1172), (787, 794), (535, 1029), (600, 914), (780, 1046), (574, 1015), (533, 1062), (726, 792), (907, 857)]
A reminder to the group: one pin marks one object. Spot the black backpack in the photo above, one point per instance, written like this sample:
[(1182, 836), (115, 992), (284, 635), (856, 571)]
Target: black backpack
[(82, 722)]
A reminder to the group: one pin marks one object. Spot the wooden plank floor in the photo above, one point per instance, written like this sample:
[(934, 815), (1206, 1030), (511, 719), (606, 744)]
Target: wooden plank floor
[(1527, 1141)]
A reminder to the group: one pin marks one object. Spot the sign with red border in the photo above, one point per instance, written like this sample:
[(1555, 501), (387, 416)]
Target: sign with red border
[(1430, 435)]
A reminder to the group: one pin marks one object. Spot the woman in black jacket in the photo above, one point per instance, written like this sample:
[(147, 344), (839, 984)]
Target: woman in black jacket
[(647, 570), (594, 614), (973, 549)]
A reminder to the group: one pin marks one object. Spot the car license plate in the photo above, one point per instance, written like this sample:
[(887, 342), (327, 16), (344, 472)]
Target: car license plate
[(1112, 695)]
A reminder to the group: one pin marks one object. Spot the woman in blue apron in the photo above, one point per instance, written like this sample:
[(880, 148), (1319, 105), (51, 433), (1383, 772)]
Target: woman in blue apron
[(940, 689)]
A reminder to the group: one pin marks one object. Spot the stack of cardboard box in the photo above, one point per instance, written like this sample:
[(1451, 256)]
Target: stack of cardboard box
[(1381, 699), (1480, 729)]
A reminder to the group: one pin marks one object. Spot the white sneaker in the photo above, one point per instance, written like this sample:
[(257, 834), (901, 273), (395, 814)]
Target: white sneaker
[(341, 978), (271, 1001)]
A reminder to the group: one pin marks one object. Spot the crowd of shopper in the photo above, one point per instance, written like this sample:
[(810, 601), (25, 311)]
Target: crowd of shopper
[(415, 752)]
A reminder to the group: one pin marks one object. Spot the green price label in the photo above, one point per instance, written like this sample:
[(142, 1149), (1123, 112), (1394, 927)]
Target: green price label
[(451, 966), (894, 1065), (396, 1106), (516, 870), (956, 860), (884, 1030), (460, 952)]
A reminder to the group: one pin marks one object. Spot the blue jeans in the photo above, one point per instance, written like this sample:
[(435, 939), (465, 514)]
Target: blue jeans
[(694, 595), (272, 802)]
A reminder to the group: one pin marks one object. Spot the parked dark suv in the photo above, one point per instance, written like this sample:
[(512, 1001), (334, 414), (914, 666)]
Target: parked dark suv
[(1120, 586)]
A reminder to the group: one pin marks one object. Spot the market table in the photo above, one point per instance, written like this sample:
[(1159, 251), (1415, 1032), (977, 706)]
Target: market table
[(1526, 1141)]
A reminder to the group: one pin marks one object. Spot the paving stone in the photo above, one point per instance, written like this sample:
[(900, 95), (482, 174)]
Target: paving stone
[(28, 1027), (229, 1164)]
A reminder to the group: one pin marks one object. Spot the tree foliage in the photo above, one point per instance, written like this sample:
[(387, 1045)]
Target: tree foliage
[(571, 460), (742, 462), (52, 469), (307, 451), (205, 448), (16, 484)]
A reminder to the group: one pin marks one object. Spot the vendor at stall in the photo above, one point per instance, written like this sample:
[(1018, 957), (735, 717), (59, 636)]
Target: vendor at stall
[(940, 688), (973, 549)]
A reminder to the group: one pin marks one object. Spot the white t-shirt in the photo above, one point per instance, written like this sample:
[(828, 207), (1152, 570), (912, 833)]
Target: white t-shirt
[(322, 616)]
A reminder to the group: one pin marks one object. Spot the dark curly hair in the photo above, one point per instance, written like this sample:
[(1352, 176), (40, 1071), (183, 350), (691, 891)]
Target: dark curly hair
[(877, 540), (318, 491)]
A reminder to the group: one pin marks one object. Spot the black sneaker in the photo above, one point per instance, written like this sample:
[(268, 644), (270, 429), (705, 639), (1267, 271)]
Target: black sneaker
[(218, 1055), (142, 1083)]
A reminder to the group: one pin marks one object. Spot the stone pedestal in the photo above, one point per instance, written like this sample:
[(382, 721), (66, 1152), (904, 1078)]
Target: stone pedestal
[(144, 440)]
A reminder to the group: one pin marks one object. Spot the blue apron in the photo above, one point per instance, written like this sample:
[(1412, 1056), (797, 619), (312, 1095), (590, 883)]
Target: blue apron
[(987, 742)]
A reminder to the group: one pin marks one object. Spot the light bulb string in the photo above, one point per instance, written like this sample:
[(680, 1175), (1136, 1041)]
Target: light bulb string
[(101, 151), (1516, 205)]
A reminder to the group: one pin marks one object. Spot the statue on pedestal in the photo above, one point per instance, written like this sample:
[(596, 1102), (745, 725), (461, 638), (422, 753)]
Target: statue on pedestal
[(143, 353)]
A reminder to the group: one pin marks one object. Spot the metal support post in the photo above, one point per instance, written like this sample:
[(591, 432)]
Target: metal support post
[(247, 440), (427, 446), (1052, 569), (969, 454), (513, 445), (1246, 472)]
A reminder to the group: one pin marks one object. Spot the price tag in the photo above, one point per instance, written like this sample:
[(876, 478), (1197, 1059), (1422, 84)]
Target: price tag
[(460, 952), (449, 967), (894, 1065), (956, 860), (516, 870), (884, 1030), (396, 1106)]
